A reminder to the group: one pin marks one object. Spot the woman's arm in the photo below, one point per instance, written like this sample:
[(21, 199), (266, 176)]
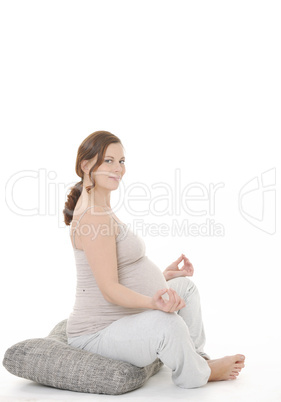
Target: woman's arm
[(123, 296), (97, 236)]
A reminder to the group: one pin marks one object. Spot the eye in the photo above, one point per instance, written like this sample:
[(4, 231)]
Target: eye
[(110, 160)]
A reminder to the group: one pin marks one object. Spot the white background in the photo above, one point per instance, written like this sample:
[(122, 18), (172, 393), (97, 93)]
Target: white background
[(186, 86)]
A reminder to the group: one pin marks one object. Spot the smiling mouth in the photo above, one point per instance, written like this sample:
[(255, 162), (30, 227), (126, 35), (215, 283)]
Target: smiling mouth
[(115, 178)]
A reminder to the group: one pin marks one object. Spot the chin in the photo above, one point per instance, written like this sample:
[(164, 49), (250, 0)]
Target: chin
[(113, 186)]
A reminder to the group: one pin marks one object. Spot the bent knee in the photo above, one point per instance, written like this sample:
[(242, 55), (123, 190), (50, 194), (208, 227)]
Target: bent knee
[(167, 321), (173, 326), (183, 285)]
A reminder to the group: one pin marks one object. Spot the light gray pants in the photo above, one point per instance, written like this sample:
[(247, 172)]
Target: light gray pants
[(177, 339)]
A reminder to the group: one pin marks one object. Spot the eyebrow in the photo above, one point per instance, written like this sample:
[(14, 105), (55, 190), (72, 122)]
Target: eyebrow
[(108, 156)]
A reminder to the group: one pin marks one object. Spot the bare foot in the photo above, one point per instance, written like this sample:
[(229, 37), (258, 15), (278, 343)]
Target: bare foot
[(226, 368)]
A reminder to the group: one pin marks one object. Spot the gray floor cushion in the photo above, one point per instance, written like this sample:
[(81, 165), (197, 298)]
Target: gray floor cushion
[(51, 361)]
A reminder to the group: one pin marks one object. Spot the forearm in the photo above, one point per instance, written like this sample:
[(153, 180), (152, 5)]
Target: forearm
[(123, 296), (167, 275)]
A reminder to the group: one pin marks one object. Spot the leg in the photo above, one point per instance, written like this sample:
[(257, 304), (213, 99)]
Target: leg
[(226, 368), (191, 313), (140, 338)]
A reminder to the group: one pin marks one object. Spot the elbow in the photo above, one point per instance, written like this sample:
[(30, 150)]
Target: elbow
[(108, 295)]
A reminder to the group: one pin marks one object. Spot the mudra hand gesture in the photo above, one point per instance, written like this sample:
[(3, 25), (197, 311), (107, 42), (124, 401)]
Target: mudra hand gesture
[(174, 302), (173, 271)]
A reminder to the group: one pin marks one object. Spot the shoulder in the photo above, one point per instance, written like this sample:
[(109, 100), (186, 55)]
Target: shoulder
[(96, 211), (97, 220)]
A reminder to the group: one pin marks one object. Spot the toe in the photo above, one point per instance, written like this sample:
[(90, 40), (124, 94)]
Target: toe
[(239, 358), (239, 365)]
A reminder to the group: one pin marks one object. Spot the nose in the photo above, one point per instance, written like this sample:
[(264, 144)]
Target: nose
[(117, 168)]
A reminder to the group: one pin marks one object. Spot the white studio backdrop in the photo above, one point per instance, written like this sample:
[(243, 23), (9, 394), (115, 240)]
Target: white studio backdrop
[(192, 89)]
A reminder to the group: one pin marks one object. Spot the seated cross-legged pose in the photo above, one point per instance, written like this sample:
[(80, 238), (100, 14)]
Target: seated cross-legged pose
[(125, 307)]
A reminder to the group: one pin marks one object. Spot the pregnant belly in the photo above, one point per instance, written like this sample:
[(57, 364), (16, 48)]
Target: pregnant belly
[(143, 276)]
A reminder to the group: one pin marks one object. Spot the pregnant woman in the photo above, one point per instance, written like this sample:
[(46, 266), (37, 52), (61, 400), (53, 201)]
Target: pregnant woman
[(126, 308)]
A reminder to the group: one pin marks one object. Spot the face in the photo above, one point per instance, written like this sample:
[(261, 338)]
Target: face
[(111, 171)]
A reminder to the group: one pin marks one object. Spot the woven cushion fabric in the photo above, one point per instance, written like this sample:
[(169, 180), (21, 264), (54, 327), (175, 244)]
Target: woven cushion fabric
[(51, 361)]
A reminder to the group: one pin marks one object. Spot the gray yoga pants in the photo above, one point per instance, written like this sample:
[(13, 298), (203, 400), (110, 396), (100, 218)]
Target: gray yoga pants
[(177, 339)]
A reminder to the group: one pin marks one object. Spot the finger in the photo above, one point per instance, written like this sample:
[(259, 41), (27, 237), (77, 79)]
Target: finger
[(171, 301), (176, 300), (186, 259), (171, 294), (158, 295), (179, 259), (181, 304)]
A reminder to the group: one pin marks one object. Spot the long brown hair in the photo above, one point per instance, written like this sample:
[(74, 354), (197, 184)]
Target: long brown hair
[(95, 144)]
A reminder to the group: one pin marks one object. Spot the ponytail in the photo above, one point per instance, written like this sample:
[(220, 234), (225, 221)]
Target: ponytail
[(72, 199)]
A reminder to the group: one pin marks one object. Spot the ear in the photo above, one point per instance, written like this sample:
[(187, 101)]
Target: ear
[(85, 166)]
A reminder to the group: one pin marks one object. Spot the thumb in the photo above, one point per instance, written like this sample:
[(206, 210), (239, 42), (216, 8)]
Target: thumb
[(179, 259), (162, 291)]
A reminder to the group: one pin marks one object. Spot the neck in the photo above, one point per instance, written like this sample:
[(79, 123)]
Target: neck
[(96, 197)]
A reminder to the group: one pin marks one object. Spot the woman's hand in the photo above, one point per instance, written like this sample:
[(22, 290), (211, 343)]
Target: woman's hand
[(173, 271), (174, 303)]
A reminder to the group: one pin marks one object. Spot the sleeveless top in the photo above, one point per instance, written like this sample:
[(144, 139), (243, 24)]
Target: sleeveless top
[(91, 312)]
